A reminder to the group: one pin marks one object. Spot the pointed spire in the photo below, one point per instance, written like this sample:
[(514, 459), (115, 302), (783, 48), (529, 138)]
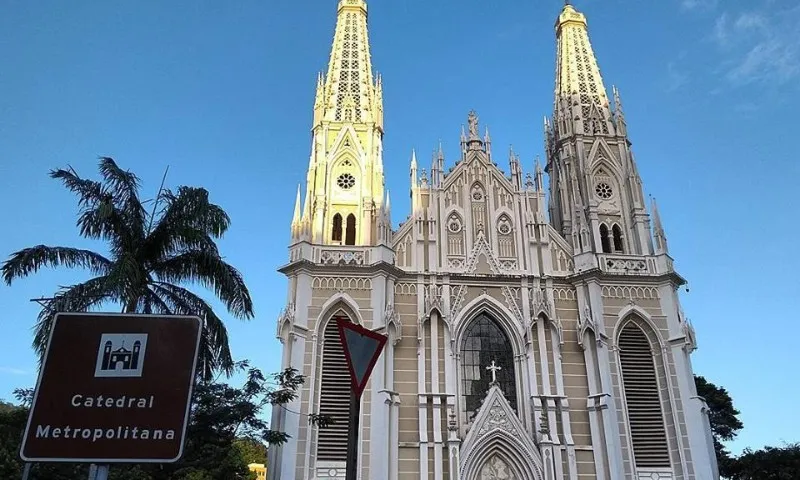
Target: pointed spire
[(658, 230), (577, 73), (350, 69), (539, 183), (619, 114), (413, 170), (296, 218), (440, 158)]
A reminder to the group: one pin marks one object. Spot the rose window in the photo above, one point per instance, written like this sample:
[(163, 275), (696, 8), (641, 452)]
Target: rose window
[(603, 190), (504, 227), (454, 225), (346, 181)]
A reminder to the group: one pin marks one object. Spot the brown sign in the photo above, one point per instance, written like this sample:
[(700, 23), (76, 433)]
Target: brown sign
[(113, 388)]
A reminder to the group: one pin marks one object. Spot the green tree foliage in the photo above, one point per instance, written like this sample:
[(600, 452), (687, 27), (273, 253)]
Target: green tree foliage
[(723, 416), (769, 463), (226, 432), (151, 255)]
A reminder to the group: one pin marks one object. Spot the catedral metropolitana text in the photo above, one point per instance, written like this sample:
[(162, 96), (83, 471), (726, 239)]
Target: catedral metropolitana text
[(121, 432)]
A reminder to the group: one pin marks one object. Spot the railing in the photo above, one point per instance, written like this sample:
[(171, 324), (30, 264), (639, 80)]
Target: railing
[(342, 255), (629, 264)]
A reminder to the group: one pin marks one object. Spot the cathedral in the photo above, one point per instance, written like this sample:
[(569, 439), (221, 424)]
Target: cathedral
[(532, 334)]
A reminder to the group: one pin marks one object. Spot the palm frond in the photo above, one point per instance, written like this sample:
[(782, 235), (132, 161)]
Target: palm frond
[(208, 269), (76, 298), (215, 351), (90, 192), (30, 260), (124, 187), (187, 221)]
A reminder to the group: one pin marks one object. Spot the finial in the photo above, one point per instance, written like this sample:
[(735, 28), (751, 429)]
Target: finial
[(413, 159), (296, 217)]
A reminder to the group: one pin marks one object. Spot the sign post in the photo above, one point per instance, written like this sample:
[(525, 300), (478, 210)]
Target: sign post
[(113, 388), (362, 347)]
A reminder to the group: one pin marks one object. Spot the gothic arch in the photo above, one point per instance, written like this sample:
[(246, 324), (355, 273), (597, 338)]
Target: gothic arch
[(498, 433), (649, 373), (523, 463), (485, 303), (500, 211), (339, 301), (477, 186), (601, 154), (355, 145), (635, 313)]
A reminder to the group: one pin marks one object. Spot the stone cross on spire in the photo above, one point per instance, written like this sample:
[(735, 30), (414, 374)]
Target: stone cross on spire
[(494, 368)]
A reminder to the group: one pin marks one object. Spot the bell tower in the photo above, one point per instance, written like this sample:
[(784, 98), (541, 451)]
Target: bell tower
[(345, 186), (596, 199)]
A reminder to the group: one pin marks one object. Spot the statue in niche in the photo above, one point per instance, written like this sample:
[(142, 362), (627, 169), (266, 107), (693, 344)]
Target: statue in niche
[(496, 469)]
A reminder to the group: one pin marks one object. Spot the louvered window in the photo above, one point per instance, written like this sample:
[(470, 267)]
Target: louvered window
[(641, 394), (334, 397)]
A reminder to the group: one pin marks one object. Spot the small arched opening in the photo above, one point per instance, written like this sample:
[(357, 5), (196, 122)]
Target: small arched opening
[(605, 240), (350, 232), (336, 234), (617, 234)]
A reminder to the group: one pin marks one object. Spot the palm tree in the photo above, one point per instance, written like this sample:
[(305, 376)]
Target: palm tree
[(149, 257)]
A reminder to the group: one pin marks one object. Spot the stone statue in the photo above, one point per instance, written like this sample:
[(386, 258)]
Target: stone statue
[(496, 469), (472, 121)]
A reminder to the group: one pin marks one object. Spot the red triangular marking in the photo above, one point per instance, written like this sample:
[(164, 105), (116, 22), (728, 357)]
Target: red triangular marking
[(362, 347)]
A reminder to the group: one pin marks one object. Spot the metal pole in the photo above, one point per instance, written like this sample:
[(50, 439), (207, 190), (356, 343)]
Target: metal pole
[(102, 472), (92, 471), (352, 437), (27, 471)]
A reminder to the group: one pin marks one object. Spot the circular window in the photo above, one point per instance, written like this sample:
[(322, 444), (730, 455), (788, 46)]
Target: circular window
[(454, 225), (504, 227), (603, 190), (346, 181)]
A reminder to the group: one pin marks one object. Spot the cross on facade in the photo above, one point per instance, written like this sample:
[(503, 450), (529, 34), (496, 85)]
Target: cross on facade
[(494, 368)]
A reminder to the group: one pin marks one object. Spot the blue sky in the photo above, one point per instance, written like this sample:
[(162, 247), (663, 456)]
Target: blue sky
[(222, 92)]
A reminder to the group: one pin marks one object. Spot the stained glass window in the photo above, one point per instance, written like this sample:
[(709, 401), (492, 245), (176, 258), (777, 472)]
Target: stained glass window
[(484, 342)]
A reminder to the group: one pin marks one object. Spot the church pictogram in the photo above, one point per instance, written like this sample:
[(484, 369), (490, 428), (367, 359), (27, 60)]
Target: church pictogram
[(121, 355)]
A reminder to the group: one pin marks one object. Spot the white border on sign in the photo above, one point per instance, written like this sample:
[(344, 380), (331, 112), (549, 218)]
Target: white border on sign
[(113, 460)]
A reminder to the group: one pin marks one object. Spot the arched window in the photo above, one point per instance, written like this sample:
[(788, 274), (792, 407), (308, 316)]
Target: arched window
[(642, 397), (604, 239), (334, 397), (336, 235), (350, 233), (485, 342), (617, 233)]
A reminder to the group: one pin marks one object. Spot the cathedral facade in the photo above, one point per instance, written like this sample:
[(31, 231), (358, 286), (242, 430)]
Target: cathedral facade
[(533, 335)]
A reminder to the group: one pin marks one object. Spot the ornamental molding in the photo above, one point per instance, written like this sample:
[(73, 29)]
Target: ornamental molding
[(630, 292), (496, 426), (342, 284), (286, 317), (457, 295), (393, 324), (513, 301), (482, 247), (690, 339), (541, 304), (342, 257)]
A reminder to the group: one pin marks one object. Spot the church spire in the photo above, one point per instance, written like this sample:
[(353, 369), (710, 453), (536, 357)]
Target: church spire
[(349, 92), (345, 184), (578, 77)]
